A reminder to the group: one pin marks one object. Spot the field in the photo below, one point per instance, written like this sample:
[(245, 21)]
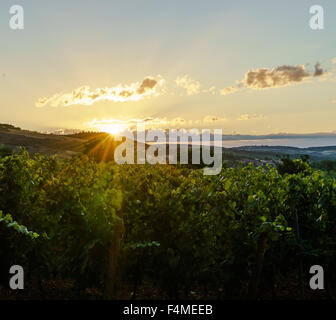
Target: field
[(83, 228)]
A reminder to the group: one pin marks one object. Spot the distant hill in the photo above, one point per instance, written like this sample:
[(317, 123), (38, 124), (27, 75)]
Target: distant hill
[(36, 142), (101, 146), (315, 153), (98, 145), (7, 127)]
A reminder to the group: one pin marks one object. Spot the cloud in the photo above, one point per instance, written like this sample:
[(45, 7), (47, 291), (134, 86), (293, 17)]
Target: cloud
[(177, 122), (157, 123), (245, 117), (213, 119), (147, 84), (333, 60), (318, 70), (275, 78), (281, 76), (228, 90), (211, 90), (120, 93), (131, 124), (191, 86), (150, 123)]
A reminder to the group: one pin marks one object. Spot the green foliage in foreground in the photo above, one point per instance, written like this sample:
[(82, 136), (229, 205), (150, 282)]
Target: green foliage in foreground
[(5, 151), (10, 223), (108, 225), (328, 166)]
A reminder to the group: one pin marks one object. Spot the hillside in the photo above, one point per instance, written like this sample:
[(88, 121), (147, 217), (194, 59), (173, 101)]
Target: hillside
[(36, 142), (98, 145)]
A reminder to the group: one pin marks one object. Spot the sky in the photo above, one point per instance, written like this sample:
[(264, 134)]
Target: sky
[(249, 67)]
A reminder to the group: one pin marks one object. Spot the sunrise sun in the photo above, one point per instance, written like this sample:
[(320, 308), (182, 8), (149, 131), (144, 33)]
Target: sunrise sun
[(112, 129)]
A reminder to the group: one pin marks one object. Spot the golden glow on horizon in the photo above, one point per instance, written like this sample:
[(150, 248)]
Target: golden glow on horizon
[(112, 129)]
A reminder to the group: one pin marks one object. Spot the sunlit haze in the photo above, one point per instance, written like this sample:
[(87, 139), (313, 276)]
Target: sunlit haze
[(241, 66)]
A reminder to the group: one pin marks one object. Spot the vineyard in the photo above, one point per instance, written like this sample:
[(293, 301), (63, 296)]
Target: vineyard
[(83, 229)]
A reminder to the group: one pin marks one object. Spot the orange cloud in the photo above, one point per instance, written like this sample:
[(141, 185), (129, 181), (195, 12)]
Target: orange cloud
[(274, 78), (213, 119), (245, 117), (120, 93), (191, 86), (228, 90)]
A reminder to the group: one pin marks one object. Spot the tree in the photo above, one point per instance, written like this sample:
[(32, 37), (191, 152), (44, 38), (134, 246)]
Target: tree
[(296, 166)]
